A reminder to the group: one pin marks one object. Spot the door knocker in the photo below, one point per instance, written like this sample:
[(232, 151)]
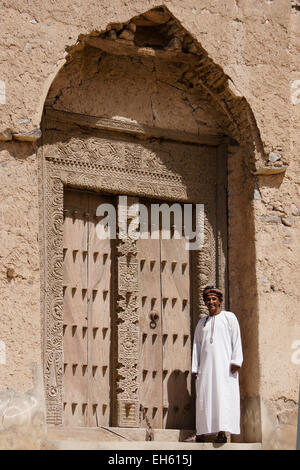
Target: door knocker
[(154, 318)]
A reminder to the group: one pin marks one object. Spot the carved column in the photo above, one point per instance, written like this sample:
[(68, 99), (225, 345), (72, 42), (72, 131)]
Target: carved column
[(205, 260), (53, 300), (127, 324)]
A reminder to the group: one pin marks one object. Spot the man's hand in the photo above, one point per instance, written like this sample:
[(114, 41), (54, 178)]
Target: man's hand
[(194, 375), (234, 368)]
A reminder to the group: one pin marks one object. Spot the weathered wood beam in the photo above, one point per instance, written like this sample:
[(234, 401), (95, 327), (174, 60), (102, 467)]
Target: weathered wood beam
[(6, 136), (132, 128), (30, 136), (269, 170), (123, 47)]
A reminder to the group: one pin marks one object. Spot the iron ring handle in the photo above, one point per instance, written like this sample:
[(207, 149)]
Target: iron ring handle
[(154, 318)]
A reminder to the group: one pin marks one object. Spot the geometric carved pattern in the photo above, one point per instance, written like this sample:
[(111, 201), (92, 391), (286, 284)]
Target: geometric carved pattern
[(127, 329), (170, 171), (54, 302)]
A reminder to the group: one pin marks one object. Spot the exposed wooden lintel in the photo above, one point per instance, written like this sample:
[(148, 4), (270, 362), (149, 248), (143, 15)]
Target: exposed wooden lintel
[(269, 170), (123, 47), (30, 136), (132, 128)]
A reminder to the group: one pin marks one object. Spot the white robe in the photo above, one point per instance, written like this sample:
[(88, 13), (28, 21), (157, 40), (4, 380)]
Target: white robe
[(217, 389)]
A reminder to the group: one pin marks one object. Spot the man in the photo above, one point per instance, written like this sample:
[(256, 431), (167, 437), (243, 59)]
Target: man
[(217, 358)]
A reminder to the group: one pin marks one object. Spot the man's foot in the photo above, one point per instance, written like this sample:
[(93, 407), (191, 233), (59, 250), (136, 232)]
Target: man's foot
[(221, 438), (195, 438)]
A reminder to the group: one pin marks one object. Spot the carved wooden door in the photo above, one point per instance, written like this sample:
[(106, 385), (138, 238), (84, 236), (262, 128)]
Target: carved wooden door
[(166, 323), (87, 286), (164, 316)]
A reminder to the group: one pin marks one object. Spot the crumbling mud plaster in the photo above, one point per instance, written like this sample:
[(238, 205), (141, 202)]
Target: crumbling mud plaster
[(234, 35), (19, 264), (22, 415)]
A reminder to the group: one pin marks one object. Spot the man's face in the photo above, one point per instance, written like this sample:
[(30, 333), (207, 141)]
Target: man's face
[(213, 303)]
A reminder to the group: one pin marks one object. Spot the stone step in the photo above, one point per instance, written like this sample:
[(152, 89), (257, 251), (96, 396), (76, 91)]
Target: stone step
[(115, 438), (139, 445), (57, 433)]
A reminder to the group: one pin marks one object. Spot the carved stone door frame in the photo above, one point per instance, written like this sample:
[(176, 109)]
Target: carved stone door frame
[(60, 170)]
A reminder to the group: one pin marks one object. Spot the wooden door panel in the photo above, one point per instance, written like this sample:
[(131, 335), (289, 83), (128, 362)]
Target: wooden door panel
[(75, 395), (175, 281), (165, 288), (100, 291), (150, 332), (87, 272)]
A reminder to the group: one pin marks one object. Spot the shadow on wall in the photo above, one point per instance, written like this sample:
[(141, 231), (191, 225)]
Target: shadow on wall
[(181, 407)]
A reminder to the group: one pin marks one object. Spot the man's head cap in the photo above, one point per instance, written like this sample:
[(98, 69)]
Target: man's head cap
[(212, 290)]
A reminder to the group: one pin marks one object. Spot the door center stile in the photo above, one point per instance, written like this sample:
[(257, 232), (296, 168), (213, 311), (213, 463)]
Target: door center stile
[(126, 378)]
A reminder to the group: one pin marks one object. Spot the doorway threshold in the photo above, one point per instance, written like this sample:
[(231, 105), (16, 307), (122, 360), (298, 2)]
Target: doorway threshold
[(116, 438)]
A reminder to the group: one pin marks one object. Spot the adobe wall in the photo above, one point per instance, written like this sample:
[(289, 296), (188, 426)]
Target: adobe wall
[(256, 44)]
